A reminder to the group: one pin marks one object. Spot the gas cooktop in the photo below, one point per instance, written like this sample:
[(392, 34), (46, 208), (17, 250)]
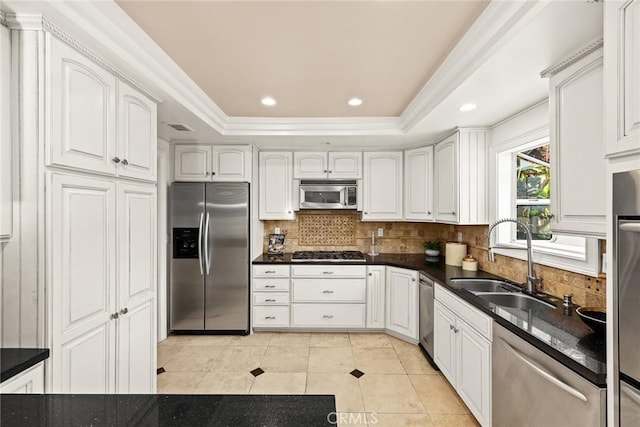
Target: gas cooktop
[(330, 256)]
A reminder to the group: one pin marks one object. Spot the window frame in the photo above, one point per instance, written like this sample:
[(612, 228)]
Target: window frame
[(558, 253)]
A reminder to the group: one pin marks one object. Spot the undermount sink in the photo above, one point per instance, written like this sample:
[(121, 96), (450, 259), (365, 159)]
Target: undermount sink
[(514, 300), (484, 285)]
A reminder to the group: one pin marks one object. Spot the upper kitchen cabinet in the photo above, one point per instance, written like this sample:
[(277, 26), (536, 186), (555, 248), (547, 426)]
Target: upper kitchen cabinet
[(621, 71), (98, 123), (382, 185), (323, 165), (460, 178), (206, 162), (578, 166), (137, 134), (276, 185), (82, 110), (6, 171), (418, 184)]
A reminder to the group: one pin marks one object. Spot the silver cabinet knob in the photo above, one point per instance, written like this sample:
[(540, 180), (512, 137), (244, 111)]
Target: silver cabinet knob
[(370, 274), (428, 212), (330, 171), (114, 316), (413, 279), (327, 292), (213, 173), (124, 310), (116, 160), (125, 162), (456, 330), (366, 213), (270, 300), (327, 316), (324, 171), (453, 213), (270, 317), (451, 327), (270, 286), (269, 272)]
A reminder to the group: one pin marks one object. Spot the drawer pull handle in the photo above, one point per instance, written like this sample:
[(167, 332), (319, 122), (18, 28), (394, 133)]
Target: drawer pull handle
[(270, 286), (327, 272), (270, 317), (327, 316), (269, 300), (269, 272), (327, 292)]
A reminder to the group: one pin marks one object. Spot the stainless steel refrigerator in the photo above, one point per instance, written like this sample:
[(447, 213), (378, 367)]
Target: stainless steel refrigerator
[(209, 287), (626, 286)]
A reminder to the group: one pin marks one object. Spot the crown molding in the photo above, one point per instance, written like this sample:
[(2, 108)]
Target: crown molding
[(314, 126), (495, 26), (24, 22), (575, 57), (3, 19)]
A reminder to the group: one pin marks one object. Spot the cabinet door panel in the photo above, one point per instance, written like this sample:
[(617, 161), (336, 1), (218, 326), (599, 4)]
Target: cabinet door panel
[(444, 346), (382, 186), (418, 181), (310, 165), (474, 376), (446, 181), (82, 106), (345, 165), (136, 370), (402, 302), (231, 164), (83, 280), (276, 185), (137, 134), (136, 242), (6, 149), (192, 162), (375, 296)]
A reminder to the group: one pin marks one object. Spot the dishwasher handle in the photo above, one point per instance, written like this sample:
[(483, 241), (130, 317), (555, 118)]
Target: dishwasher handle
[(544, 374), (425, 281)]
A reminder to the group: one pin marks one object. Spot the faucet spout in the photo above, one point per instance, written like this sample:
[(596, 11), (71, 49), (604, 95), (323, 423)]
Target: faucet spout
[(532, 280)]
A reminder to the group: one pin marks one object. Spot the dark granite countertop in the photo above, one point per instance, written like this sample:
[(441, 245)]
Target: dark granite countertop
[(16, 360), (559, 334), (166, 410)]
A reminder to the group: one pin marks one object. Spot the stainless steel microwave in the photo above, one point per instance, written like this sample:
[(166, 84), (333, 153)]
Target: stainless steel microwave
[(328, 195)]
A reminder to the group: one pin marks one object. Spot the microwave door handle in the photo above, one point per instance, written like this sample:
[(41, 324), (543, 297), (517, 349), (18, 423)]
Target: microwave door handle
[(343, 196)]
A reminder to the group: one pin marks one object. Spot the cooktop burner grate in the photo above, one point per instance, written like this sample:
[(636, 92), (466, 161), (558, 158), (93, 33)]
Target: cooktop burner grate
[(331, 256)]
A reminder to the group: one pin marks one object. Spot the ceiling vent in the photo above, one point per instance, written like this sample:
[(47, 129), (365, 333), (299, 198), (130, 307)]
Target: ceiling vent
[(180, 127)]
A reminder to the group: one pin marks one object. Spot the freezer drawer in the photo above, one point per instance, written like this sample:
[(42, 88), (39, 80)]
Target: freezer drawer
[(532, 389)]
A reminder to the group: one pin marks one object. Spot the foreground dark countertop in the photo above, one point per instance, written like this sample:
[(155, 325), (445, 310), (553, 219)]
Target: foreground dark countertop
[(16, 360), (559, 334), (166, 410)]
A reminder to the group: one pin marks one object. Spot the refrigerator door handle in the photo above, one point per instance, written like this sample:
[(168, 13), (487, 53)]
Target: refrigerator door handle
[(200, 244), (206, 246)]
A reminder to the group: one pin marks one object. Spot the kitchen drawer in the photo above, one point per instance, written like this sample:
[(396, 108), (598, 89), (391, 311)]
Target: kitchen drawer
[(271, 316), (474, 317), (269, 270), (271, 298), (328, 271), (328, 315), (335, 290), (271, 285)]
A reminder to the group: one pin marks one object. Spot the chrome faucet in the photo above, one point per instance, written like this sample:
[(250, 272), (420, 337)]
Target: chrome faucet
[(532, 280)]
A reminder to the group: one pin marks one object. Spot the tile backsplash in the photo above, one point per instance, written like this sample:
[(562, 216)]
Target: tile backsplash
[(341, 230)]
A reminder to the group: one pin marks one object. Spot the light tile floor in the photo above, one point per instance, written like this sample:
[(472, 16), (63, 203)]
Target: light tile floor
[(399, 387)]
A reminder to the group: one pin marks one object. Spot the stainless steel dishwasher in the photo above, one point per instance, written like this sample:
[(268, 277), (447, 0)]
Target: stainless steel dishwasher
[(532, 389), (426, 314)]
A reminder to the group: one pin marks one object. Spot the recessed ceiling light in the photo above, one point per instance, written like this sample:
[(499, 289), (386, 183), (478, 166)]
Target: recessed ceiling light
[(268, 101), (467, 107), (354, 102)]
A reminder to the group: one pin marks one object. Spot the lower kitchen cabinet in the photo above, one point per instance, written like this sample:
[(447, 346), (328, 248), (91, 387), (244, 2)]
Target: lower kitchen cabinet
[(328, 315), (270, 296), (375, 296), (27, 382), (462, 353), (401, 313), (102, 275)]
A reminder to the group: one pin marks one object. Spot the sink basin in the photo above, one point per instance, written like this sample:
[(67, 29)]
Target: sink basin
[(484, 285), (514, 300)]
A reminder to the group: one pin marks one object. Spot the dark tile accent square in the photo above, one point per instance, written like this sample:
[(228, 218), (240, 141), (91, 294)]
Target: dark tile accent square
[(160, 370), (357, 373), (257, 372)]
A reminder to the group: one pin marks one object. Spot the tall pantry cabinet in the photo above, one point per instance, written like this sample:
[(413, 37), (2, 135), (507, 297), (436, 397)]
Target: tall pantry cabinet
[(98, 177)]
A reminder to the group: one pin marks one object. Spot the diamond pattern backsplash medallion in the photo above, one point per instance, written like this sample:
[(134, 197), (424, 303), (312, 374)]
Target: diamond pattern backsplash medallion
[(327, 229)]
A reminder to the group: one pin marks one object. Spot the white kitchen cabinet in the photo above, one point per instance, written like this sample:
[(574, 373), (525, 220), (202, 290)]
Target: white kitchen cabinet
[(578, 166), (192, 162), (327, 165), (30, 381), (382, 185), (98, 123), (418, 184), (137, 134), (6, 152), (376, 278), (82, 107), (401, 313), (276, 185), (206, 162), (621, 71), (270, 296), (460, 178), (462, 351), (102, 285)]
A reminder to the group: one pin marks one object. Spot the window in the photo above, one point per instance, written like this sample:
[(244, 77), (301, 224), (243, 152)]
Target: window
[(523, 190)]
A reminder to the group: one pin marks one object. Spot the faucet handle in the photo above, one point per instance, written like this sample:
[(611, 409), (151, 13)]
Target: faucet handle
[(532, 284), (567, 300)]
